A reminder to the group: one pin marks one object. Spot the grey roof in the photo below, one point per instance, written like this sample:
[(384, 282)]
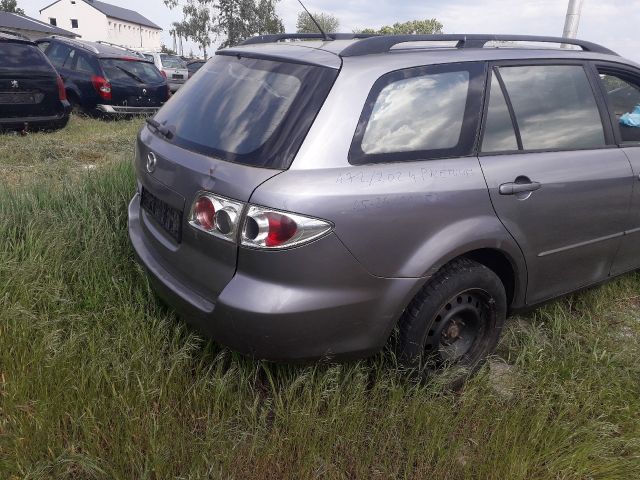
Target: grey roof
[(122, 13), (116, 12), (22, 22)]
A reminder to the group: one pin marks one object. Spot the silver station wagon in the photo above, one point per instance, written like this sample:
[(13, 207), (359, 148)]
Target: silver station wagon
[(303, 196)]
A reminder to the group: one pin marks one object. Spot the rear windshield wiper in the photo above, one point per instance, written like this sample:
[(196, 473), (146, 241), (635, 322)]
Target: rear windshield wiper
[(160, 128), (131, 74)]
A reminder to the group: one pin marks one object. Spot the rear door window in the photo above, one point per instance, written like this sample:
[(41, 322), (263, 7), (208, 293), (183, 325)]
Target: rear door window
[(623, 97), (58, 54), (249, 111), (420, 113), (499, 132), (554, 107)]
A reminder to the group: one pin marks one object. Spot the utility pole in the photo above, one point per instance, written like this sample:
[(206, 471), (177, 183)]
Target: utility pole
[(573, 20)]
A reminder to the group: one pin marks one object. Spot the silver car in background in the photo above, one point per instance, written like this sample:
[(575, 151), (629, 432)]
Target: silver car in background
[(302, 199), (172, 67)]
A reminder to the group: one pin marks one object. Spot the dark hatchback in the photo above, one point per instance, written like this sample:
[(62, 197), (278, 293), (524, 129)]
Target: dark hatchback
[(32, 95), (106, 79)]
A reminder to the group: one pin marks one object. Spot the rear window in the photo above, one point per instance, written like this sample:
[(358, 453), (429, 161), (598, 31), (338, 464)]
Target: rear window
[(20, 56), (249, 111), (128, 71), (171, 61)]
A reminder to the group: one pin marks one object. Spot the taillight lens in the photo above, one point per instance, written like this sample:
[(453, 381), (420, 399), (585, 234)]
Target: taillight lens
[(216, 215), (102, 86), (62, 93), (275, 229), (163, 73)]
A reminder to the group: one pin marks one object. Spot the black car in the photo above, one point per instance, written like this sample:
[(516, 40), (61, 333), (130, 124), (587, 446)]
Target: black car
[(106, 78), (32, 95), (194, 65)]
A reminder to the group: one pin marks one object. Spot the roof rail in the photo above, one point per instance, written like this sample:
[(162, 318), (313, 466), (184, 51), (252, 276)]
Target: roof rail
[(384, 43), (278, 37), (14, 34), (75, 42), (115, 45)]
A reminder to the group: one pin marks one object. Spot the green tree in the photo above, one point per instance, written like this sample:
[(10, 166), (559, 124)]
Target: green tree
[(236, 20), (413, 27), (167, 50), (328, 22), (10, 6)]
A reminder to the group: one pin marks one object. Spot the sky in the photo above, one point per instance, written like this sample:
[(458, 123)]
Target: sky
[(613, 23)]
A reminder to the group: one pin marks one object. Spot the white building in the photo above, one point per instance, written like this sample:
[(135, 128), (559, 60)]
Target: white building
[(30, 27), (94, 20)]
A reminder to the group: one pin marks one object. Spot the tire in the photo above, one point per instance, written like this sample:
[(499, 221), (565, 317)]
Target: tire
[(455, 320), (76, 107)]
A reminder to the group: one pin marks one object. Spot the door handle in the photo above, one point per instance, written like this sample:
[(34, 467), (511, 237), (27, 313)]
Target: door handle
[(513, 188)]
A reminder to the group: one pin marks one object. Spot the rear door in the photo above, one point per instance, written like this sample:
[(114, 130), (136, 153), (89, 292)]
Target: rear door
[(28, 85), (621, 87), (557, 180)]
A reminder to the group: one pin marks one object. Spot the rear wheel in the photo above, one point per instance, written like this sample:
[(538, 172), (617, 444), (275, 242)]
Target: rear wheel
[(76, 107), (456, 319)]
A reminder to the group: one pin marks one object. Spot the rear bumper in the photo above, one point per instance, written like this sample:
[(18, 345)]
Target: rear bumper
[(127, 110), (297, 305), (52, 122)]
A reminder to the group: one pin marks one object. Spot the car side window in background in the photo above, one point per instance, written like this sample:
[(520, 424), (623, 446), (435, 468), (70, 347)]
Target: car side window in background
[(43, 46), (554, 106), (499, 133), (84, 65), (58, 53), (419, 114), (623, 96)]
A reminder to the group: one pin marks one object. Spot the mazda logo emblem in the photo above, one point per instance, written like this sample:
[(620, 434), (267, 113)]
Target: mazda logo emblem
[(151, 162)]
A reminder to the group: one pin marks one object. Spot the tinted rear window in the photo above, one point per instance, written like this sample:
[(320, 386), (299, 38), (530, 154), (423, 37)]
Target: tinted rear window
[(131, 71), (19, 56), (249, 111), (170, 61)]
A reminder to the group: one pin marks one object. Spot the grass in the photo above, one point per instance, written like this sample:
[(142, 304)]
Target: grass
[(99, 380)]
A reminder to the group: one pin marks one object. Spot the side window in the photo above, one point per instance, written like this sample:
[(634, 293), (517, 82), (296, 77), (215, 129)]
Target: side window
[(419, 114), (623, 95), (58, 53), (43, 46), (554, 107), (499, 134), (84, 65)]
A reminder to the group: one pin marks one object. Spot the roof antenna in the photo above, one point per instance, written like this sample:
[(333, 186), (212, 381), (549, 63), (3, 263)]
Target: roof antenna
[(324, 35)]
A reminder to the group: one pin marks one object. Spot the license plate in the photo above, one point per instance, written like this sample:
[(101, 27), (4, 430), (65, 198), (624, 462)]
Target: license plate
[(177, 77), (17, 98), (169, 218)]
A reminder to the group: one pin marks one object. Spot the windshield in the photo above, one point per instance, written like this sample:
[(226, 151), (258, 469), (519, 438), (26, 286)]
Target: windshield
[(171, 61), (119, 70), (249, 111)]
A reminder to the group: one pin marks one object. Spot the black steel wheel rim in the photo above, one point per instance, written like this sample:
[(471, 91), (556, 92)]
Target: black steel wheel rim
[(458, 331)]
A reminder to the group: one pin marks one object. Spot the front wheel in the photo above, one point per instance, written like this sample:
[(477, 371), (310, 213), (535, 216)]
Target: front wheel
[(456, 319)]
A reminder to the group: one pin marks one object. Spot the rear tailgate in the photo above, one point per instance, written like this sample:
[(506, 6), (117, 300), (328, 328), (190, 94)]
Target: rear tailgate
[(134, 82), (28, 82), (237, 124)]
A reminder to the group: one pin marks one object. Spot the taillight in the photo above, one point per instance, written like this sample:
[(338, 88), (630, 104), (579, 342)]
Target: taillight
[(168, 92), (102, 86), (163, 73), (216, 215), (62, 93), (275, 229)]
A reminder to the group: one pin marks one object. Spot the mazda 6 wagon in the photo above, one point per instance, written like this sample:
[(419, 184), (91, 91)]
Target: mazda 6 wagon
[(302, 197)]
